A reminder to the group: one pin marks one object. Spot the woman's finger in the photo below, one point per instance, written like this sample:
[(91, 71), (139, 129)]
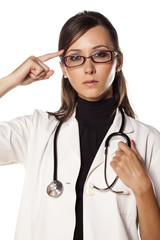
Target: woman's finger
[(42, 67), (37, 77), (123, 147), (48, 74), (42, 76), (49, 56), (119, 153)]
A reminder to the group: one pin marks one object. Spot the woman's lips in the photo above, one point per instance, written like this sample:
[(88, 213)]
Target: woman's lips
[(90, 83)]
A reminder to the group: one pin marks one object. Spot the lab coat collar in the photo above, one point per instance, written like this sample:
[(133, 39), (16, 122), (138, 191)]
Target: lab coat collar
[(128, 128), (115, 127)]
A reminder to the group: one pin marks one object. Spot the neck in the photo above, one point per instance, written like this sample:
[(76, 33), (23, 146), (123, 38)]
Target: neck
[(95, 112)]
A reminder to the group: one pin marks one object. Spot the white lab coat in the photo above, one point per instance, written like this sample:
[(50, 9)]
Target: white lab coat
[(107, 216)]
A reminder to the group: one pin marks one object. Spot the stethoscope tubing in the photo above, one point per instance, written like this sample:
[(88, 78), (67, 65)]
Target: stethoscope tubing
[(55, 151), (55, 188), (128, 142)]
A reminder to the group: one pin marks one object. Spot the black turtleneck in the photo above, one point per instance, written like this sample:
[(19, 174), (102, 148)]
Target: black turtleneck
[(94, 119)]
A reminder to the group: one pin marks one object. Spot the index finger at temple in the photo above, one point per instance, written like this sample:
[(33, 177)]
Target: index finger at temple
[(49, 56)]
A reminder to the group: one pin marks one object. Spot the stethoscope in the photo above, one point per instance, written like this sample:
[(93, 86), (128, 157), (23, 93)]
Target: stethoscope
[(55, 188)]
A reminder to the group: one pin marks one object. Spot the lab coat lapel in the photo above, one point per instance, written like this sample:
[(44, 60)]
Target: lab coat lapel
[(100, 156), (69, 149), (71, 135)]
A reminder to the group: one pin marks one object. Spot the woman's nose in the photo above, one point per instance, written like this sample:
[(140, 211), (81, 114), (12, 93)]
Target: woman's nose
[(89, 66)]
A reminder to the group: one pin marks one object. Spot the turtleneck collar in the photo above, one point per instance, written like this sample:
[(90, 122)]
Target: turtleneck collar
[(95, 113)]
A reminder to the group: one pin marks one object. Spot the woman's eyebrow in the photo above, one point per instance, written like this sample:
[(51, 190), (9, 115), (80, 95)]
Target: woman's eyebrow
[(74, 50), (101, 46), (78, 50)]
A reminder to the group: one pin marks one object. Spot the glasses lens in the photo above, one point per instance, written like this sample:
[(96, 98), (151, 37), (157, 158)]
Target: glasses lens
[(102, 56), (73, 60)]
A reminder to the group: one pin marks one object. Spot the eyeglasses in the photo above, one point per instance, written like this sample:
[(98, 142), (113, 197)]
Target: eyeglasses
[(76, 60)]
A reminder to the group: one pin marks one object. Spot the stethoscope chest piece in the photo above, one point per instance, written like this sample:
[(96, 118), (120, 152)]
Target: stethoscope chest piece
[(55, 189)]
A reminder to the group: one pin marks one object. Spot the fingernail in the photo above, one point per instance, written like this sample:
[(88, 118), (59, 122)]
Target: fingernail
[(133, 142), (61, 50)]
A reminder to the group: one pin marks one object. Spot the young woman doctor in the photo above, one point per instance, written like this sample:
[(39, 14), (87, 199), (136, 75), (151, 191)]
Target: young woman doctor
[(93, 92)]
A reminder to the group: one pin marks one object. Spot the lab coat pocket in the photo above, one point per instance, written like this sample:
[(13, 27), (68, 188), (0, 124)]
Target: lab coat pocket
[(126, 203)]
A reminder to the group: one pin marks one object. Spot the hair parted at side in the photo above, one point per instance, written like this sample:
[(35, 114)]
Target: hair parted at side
[(72, 30)]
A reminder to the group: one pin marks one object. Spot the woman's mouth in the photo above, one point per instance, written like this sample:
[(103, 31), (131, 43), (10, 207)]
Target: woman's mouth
[(90, 83)]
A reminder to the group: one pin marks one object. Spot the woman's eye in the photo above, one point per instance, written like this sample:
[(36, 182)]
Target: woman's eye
[(75, 58), (102, 54)]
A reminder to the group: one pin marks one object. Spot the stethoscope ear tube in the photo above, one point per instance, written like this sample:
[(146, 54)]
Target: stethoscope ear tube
[(121, 134)]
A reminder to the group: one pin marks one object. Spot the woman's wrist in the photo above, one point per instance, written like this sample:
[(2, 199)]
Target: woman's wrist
[(143, 190), (6, 84)]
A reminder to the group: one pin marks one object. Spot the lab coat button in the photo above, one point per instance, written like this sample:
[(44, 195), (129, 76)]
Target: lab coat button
[(90, 191)]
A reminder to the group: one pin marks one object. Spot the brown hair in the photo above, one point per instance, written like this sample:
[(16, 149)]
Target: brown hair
[(72, 30)]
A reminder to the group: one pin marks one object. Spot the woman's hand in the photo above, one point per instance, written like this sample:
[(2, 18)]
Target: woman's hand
[(130, 168), (33, 69)]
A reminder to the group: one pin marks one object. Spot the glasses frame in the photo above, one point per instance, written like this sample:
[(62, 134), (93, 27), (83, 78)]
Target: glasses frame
[(113, 54)]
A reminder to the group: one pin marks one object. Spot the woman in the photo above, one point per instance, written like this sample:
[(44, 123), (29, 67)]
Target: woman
[(93, 92)]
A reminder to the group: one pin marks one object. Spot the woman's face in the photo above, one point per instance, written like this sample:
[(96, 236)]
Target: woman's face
[(92, 81)]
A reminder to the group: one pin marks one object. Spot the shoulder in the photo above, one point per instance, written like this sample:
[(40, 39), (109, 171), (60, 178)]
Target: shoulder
[(39, 120), (42, 118), (142, 126), (42, 115)]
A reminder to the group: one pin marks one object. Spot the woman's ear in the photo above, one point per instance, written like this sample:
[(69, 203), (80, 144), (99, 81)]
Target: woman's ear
[(119, 62)]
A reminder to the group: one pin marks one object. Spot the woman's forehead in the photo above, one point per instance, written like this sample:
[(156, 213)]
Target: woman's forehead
[(96, 36)]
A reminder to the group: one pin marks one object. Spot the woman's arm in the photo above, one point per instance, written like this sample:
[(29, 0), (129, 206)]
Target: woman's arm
[(33, 69), (15, 134), (148, 214), (130, 168)]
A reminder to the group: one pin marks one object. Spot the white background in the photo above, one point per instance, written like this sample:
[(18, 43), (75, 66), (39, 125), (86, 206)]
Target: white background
[(31, 27)]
